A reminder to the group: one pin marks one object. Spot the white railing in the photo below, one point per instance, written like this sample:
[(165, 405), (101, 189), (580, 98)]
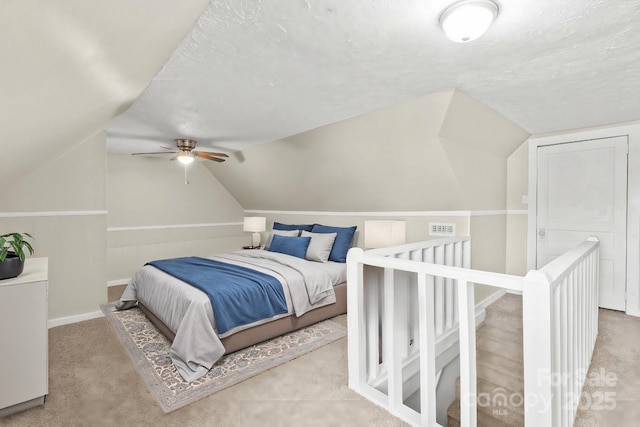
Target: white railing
[(407, 304), (402, 303), (560, 325)]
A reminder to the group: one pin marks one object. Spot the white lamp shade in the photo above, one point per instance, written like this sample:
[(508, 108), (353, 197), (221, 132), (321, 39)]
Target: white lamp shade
[(467, 20), (382, 234), (254, 224)]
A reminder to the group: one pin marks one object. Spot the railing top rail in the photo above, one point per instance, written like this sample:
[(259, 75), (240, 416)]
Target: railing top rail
[(557, 269), (416, 246), (506, 281)]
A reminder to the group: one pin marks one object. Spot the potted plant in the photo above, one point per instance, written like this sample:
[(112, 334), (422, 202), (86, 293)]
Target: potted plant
[(12, 254)]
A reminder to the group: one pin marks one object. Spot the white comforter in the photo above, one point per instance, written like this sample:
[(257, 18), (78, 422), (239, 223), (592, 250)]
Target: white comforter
[(188, 313)]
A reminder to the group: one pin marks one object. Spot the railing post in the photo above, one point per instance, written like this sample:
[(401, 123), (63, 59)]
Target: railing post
[(538, 335), (355, 317), (391, 351), (468, 387), (427, 352)]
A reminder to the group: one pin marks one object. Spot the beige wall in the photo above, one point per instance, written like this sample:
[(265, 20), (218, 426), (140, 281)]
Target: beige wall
[(417, 227), (69, 67), (62, 205), (517, 186), (393, 160), (480, 176), (442, 152), (149, 192), (70, 74), (487, 248), (401, 158), (353, 165)]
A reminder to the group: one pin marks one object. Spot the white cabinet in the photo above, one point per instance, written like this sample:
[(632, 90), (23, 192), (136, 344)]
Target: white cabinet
[(24, 370)]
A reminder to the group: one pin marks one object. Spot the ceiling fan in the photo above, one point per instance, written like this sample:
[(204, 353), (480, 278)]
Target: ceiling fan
[(186, 152)]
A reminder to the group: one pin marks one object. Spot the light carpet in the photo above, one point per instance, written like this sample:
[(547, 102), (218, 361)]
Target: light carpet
[(149, 350)]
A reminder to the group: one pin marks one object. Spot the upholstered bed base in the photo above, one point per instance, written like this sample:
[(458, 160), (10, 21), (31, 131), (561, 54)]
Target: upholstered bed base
[(269, 330)]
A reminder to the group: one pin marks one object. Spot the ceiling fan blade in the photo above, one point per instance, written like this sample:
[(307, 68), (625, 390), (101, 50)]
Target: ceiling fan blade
[(208, 157), (167, 148), (211, 153), (157, 152)]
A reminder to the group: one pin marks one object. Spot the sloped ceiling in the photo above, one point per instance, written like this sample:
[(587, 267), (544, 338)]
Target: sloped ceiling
[(251, 72), (407, 157), (70, 66)]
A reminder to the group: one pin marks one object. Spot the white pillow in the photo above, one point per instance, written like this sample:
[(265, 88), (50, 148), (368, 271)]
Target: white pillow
[(288, 233), (320, 245)]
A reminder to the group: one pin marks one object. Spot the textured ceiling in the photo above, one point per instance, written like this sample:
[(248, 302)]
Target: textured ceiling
[(252, 72), (67, 67)]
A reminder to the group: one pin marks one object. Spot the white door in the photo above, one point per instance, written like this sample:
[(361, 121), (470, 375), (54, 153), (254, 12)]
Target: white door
[(582, 192)]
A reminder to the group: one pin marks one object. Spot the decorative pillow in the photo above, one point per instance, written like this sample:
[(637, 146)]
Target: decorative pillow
[(320, 246), (281, 226), (294, 246), (290, 233), (342, 243)]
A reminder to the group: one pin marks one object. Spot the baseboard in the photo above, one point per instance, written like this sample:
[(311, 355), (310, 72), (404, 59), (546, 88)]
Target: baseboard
[(633, 313), (118, 282), (60, 321), (490, 300), (19, 407)]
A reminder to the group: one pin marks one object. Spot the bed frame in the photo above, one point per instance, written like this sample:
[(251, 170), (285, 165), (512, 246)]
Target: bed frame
[(266, 331)]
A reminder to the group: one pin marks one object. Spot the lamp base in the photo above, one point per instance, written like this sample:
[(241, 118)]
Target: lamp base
[(256, 240)]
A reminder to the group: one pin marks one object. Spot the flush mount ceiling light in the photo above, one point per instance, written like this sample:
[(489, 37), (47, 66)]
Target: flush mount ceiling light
[(468, 19)]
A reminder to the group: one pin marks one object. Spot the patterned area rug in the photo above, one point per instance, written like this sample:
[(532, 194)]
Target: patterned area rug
[(149, 350)]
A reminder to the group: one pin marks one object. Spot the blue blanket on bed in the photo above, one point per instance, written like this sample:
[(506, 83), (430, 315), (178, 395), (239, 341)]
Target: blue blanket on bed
[(239, 295)]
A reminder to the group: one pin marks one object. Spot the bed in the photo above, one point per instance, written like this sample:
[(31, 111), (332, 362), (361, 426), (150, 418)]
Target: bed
[(303, 271)]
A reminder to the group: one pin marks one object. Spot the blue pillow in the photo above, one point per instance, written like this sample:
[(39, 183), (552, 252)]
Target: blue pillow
[(281, 226), (294, 246), (342, 244)]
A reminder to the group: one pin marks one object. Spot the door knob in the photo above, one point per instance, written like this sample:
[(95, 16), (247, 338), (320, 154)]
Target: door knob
[(541, 233)]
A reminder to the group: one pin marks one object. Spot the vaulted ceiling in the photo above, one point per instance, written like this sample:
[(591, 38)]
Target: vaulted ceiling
[(251, 72), (70, 66), (232, 73)]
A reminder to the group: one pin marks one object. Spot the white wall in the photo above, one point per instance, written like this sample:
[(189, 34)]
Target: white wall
[(407, 157), (439, 153), (68, 68), (487, 248), (153, 214), (62, 205), (517, 187), (416, 223), (71, 66)]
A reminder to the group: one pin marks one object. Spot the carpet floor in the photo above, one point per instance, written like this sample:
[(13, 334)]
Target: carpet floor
[(92, 382), (149, 351)]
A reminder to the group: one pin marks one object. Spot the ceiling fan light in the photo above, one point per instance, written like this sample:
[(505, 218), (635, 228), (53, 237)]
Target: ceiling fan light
[(467, 20), (185, 158)]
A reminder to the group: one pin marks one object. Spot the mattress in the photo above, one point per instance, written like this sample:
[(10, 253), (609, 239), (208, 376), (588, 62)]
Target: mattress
[(187, 312)]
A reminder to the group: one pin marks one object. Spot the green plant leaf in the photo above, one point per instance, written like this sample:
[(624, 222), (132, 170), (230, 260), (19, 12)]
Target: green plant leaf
[(16, 242)]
